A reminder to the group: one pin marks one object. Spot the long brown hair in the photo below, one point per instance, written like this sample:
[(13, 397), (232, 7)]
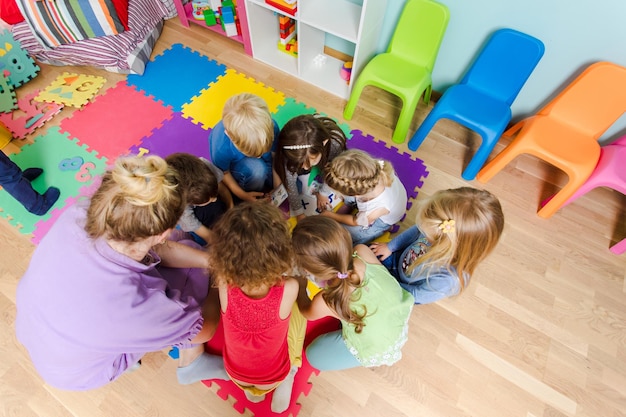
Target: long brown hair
[(324, 248), (304, 136), (478, 224)]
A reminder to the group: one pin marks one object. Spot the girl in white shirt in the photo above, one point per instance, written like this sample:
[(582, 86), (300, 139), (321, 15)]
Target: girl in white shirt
[(373, 187)]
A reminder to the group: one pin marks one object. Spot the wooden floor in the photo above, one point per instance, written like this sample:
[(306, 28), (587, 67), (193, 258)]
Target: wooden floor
[(541, 330)]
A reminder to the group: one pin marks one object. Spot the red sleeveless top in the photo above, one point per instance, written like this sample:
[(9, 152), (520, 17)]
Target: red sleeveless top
[(255, 337)]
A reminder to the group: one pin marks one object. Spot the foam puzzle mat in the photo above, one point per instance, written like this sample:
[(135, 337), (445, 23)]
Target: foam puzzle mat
[(155, 114)]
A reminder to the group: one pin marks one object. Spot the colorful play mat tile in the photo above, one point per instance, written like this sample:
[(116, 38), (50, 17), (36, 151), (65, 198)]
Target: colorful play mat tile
[(29, 115), (116, 120), (206, 108), (177, 75), (66, 165), (175, 135), (72, 89)]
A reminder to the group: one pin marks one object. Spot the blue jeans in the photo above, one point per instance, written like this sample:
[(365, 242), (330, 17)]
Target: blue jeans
[(328, 352), (392, 263), (253, 174), (13, 181), (364, 235)]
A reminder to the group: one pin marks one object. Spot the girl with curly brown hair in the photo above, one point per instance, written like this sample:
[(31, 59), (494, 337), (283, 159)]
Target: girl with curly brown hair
[(250, 255)]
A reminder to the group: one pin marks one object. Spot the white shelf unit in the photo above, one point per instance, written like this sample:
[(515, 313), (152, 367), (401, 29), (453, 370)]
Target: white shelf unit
[(355, 22)]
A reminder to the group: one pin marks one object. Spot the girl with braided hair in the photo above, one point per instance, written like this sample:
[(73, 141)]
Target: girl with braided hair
[(371, 185), (454, 231), (373, 309)]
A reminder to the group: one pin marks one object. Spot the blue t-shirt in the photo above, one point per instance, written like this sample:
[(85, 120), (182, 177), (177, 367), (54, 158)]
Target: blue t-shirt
[(224, 154)]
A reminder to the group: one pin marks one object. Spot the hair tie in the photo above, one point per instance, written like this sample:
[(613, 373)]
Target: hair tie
[(381, 163), (297, 146), (447, 226), (342, 275)]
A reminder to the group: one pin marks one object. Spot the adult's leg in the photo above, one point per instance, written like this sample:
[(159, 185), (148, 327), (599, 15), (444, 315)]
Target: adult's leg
[(329, 352), (13, 181)]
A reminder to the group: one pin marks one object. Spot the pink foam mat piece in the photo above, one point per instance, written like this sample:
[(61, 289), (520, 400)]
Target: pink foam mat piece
[(116, 120), (29, 115), (301, 385)]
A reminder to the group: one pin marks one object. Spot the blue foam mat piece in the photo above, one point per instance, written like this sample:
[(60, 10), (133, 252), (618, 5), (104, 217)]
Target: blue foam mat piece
[(177, 75)]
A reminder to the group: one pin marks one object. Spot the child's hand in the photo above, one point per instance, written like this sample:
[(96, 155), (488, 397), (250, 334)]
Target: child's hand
[(381, 250), (253, 196), (323, 202)]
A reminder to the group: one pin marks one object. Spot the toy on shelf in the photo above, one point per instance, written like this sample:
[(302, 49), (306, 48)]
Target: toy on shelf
[(198, 8), (209, 17), (288, 6), (346, 71), (287, 30), (227, 19)]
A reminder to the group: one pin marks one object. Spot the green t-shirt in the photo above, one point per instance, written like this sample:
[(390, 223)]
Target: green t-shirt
[(386, 323)]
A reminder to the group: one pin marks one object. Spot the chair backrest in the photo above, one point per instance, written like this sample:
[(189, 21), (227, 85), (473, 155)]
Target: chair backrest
[(419, 32), (593, 101), (504, 64)]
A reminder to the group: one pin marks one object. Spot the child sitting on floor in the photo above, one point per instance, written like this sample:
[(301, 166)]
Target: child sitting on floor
[(454, 231), (207, 197), (374, 310), (371, 185), (242, 145), (263, 328), (305, 145)]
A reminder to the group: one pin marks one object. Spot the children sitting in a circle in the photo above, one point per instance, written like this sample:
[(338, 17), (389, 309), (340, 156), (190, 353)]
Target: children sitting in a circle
[(258, 267)]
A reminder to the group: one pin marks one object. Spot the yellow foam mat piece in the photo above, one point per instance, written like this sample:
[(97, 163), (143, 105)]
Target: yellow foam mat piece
[(206, 108), (72, 89)]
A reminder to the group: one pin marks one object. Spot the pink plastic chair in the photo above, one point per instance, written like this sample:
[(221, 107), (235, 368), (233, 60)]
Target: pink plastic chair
[(609, 172)]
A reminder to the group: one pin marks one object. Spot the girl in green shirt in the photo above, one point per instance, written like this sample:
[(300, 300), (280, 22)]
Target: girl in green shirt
[(358, 290)]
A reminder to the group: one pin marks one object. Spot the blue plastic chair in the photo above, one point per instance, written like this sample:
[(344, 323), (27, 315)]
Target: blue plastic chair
[(482, 100)]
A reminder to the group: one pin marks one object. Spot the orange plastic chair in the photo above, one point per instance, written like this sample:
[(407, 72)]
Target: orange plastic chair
[(565, 132), (406, 68)]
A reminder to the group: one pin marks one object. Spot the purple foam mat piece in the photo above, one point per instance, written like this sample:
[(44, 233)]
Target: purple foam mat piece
[(411, 171), (176, 135)]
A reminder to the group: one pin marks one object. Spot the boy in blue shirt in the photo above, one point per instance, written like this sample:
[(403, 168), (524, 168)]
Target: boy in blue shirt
[(242, 146)]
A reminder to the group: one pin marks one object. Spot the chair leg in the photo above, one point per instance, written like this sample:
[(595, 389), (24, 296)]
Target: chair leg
[(479, 158), (404, 120), (357, 89), (498, 163), (559, 199), (619, 247), (423, 130)]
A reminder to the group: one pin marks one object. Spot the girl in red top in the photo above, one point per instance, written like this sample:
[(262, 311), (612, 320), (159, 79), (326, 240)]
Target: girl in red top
[(250, 254)]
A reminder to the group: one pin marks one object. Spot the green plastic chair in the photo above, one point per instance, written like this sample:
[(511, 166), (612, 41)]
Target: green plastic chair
[(405, 69)]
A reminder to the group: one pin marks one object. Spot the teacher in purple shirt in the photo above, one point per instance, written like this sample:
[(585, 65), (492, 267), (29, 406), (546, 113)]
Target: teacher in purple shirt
[(111, 282)]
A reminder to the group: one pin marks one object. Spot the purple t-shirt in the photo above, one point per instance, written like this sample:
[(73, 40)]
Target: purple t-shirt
[(85, 312)]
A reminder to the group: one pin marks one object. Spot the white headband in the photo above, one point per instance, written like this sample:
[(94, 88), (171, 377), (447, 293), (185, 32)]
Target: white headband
[(297, 146)]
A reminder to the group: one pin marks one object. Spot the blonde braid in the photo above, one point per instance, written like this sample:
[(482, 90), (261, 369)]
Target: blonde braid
[(354, 172)]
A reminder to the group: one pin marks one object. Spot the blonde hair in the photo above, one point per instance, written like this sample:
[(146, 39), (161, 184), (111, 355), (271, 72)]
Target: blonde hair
[(324, 248), (478, 224), (139, 198), (248, 123), (251, 246), (355, 172)]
